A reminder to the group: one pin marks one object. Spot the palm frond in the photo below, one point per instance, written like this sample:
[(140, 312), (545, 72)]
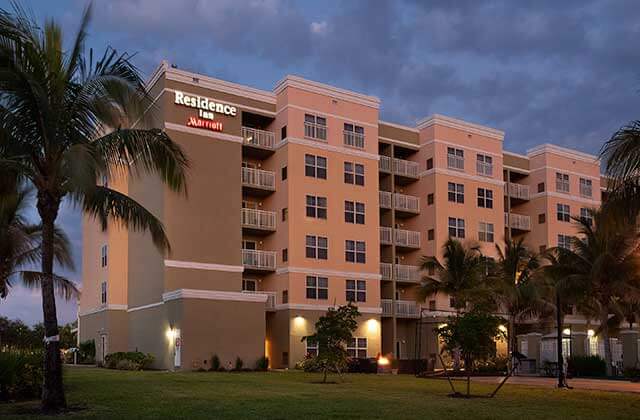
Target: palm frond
[(64, 288)]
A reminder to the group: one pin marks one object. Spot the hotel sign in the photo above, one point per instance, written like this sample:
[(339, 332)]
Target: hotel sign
[(207, 108)]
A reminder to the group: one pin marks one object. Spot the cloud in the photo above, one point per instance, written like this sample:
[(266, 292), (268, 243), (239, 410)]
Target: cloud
[(319, 28)]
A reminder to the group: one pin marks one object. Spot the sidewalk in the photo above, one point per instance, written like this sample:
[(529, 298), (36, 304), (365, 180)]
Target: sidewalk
[(584, 384)]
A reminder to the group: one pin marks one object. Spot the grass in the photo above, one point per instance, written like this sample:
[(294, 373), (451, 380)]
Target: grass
[(99, 393)]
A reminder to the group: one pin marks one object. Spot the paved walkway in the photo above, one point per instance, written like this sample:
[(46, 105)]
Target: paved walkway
[(589, 384)]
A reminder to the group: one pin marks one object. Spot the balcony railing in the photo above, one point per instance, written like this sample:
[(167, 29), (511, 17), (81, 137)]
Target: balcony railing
[(315, 131), (586, 191), (385, 199), (519, 191), (401, 202), (260, 138), (258, 178), (404, 308), (404, 273), (405, 238), (353, 139), (271, 298), (259, 260), (483, 168), (455, 162), (405, 168), (517, 221), (258, 219), (384, 164)]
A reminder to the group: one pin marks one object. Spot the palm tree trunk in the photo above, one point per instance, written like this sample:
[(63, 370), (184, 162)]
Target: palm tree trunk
[(604, 321), (561, 378), (53, 398)]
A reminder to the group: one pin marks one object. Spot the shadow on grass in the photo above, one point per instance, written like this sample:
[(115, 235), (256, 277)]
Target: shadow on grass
[(33, 409)]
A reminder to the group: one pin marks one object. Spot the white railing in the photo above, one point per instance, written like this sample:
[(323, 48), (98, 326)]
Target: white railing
[(315, 131), (259, 219), (455, 162), (404, 308), (385, 235), (405, 168), (260, 260), (353, 139), (258, 178), (404, 273), (257, 137), (519, 191), (385, 199), (406, 238), (517, 221), (483, 168), (271, 297), (384, 164), (406, 203)]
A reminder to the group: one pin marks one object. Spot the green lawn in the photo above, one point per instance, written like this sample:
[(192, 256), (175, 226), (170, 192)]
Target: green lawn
[(99, 393)]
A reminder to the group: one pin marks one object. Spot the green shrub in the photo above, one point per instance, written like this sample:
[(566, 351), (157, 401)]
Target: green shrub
[(132, 360), (215, 363), (496, 364), (21, 374), (87, 352), (587, 366), (262, 364), (632, 373), (239, 364)]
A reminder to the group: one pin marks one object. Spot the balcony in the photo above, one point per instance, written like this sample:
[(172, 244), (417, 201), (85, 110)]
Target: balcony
[(518, 221), (405, 205), (257, 143), (271, 298), (404, 308), (257, 222), (353, 139), (519, 191), (405, 171), (258, 261), (404, 273), (403, 238), (258, 182)]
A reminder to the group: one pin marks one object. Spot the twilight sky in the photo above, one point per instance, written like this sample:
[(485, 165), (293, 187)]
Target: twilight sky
[(563, 72)]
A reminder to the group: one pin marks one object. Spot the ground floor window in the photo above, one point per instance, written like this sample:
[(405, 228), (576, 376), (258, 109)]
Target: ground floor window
[(357, 348), (312, 347)]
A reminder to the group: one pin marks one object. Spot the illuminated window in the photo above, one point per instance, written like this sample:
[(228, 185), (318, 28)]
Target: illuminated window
[(357, 348), (317, 288), (356, 291)]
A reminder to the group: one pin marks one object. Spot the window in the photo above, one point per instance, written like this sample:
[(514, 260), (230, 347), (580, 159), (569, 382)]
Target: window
[(456, 192), (316, 207), (249, 245), (317, 247), (357, 348), (103, 255), (355, 251), (564, 241), (285, 213), (585, 215), (455, 158), (541, 187), (429, 163), (317, 288), (285, 255), (283, 173), (285, 296), (562, 182), (485, 232), (456, 227), (312, 347), (563, 212), (354, 212), (484, 165), (353, 136), (586, 189), (430, 234), (356, 291), (103, 292), (315, 127), (485, 198), (429, 199), (283, 132), (249, 285), (315, 166), (542, 218), (353, 173)]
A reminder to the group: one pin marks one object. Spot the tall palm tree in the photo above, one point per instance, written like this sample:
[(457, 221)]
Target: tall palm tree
[(21, 247), (66, 120), (512, 280)]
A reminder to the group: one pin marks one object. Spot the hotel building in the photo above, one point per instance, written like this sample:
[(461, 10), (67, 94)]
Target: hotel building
[(300, 199)]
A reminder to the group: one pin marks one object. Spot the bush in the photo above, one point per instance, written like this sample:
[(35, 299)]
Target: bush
[(363, 366), (587, 366), (493, 365), (215, 363), (132, 360), (21, 374), (239, 364), (262, 364), (87, 352), (632, 373)]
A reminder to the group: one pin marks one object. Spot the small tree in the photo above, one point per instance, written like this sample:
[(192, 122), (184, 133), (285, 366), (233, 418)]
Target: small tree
[(333, 331), (474, 334)]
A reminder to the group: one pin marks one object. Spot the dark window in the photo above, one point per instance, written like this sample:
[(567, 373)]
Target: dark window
[(355, 251), (485, 198), (315, 166), (356, 291), (541, 187), (285, 296), (430, 199), (563, 212), (283, 173), (285, 255), (283, 132), (542, 218), (455, 192), (354, 212), (353, 173), (432, 305), (429, 163), (316, 207), (456, 228), (317, 288), (317, 247), (430, 235), (285, 213)]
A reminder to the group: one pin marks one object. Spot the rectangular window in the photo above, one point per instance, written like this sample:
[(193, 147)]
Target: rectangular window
[(356, 291), (585, 214), (317, 247), (456, 228), (283, 173), (317, 207), (455, 158), (431, 234), (563, 212), (249, 285), (430, 199), (564, 241), (354, 212), (103, 255), (541, 187), (312, 347), (355, 251), (586, 187), (283, 132), (103, 292), (542, 218), (317, 288), (562, 182), (485, 198), (285, 213), (484, 165), (353, 136), (485, 232), (315, 127), (429, 163), (455, 192), (285, 255), (315, 166), (357, 348), (353, 173)]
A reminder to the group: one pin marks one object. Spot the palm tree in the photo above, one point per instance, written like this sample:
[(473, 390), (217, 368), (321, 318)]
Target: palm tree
[(21, 247), (512, 280), (67, 120)]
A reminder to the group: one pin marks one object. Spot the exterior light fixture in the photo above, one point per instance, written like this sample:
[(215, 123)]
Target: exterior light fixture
[(591, 333), (566, 331)]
